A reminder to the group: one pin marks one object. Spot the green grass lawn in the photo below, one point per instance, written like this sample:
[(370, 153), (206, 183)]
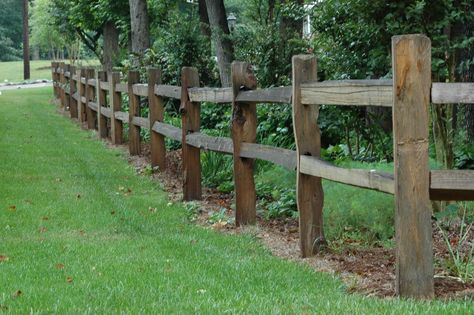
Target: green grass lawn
[(80, 233), (12, 71)]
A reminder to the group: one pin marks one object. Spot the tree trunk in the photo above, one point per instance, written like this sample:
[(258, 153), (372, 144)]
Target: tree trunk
[(140, 26), (220, 36), (26, 42), (111, 45), (204, 20)]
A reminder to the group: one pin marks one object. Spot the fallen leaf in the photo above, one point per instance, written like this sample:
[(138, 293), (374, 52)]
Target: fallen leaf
[(69, 279), (152, 209), (112, 212), (12, 208), (17, 293), (45, 218), (59, 266), (59, 180), (3, 258), (2, 306), (42, 229), (78, 196)]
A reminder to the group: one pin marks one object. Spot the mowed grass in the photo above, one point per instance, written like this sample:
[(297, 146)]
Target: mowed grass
[(80, 233), (12, 71)]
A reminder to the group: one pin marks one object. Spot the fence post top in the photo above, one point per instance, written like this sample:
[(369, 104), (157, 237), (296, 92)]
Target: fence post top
[(397, 38), (303, 57), (242, 75)]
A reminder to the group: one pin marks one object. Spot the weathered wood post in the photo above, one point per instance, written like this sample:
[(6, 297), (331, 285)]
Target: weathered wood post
[(244, 129), (134, 110), (67, 79), (62, 84), (101, 101), (90, 97), (72, 91), (191, 122), (54, 77), (82, 95), (115, 98), (411, 97), (309, 190), (157, 141)]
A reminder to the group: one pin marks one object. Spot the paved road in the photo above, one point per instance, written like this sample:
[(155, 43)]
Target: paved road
[(25, 86)]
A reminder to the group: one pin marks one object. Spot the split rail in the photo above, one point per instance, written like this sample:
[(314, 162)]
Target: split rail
[(96, 99)]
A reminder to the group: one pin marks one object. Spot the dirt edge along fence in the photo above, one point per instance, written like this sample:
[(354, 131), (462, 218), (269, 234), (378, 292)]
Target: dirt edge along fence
[(409, 94)]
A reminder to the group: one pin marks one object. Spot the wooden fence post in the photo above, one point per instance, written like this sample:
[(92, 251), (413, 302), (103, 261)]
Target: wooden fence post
[(191, 122), (54, 68), (72, 91), (62, 84), (115, 98), (134, 110), (101, 101), (82, 94), (67, 96), (90, 97), (411, 96), (157, 142), (309, 190), (244, 129)]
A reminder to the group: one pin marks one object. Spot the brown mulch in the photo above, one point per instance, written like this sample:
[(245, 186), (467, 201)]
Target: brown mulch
[(368, 271)]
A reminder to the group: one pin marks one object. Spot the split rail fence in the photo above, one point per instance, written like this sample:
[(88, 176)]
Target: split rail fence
[(409, 94)]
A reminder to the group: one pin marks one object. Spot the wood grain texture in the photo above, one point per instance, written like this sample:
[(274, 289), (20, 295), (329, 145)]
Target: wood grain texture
[(72, 93), (121, 87), (91, 116), (81, 112), (170, 91), (62, 84), (270, 95), (141, 122), (411, 96), (348, 92), (104, 85), (67, 87), (244, 129), (101, 102), (133, 111), (372, 179), (116, 125), (168, 130), (92, 105), (211, 95), (54, 78), (140, 89), (279, 156), (122, 116), (205, 142), (191, 123), (106, 111), (452, 93), (157, 141), (309, 189), (452, 185)]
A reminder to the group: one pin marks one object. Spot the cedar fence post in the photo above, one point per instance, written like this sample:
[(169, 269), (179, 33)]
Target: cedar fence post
[(115, 98), (134, 110), (90, 97), (101, 101), (67, 96), (82, 94), (191, 122), (411, 96), (72, 91), (244, 129), (157, 141), (54, 68), (62, 84), (309, 190)]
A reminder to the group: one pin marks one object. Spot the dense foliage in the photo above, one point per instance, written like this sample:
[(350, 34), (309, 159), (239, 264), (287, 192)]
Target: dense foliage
[(10, 30)]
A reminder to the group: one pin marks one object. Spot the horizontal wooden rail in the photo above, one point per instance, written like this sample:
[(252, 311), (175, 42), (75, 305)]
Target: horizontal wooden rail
[(107, 112), (171, 91), (105, 86), (141, 122), (279, 156), (75, 77), (93, 105), (122, 116), (348, 92), (371, 179), (446, 93), (92, 82), (452, 185), (83, 80), (205, 142), (83, 99), (140, 89), (167, 130), (121, 87), (270, 95), (67, 74), (211, 95), (67, 92)]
